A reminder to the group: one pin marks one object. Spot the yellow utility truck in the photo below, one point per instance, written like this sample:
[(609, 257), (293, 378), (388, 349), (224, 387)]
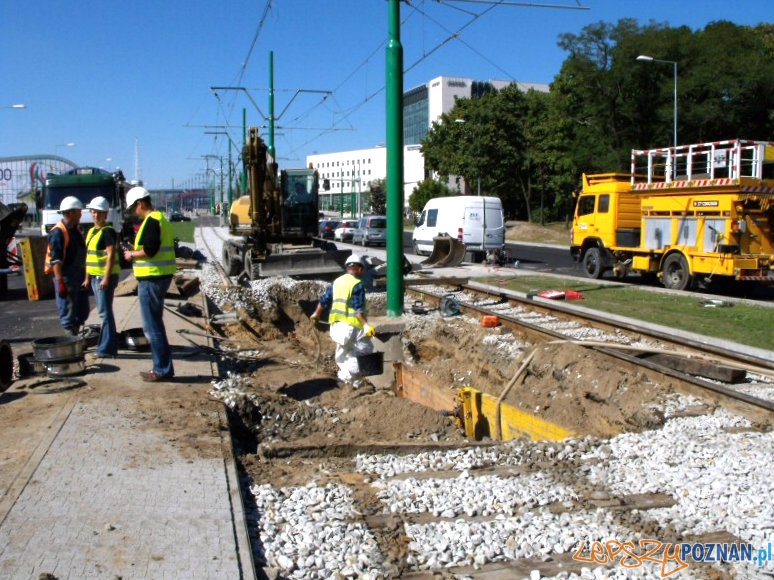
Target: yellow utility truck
[(684, 214)]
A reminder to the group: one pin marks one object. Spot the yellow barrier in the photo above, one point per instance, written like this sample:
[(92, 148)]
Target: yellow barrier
[(479, 417), (39, 285)]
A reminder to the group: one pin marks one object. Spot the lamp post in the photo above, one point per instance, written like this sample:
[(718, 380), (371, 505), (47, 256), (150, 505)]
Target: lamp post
[(646, 58)]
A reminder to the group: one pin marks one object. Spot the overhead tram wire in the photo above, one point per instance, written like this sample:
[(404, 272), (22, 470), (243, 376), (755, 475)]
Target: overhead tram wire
[(522, 4), (452, 35), (243, 69), (456, 35)]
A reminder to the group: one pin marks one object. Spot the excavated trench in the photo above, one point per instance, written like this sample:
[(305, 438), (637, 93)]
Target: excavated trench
[(287, 400)]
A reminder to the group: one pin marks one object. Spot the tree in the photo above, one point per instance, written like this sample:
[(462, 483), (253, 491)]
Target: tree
[(532, 149), (378, 189), (425, 191)]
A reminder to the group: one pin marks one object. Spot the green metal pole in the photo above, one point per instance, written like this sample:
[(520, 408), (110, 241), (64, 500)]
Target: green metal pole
[(230, 177), (221, 180), (341, 198), (271, 104), (394, 86)]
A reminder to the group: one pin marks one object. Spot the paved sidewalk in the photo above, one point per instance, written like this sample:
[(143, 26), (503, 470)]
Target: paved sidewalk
[(117, 486)]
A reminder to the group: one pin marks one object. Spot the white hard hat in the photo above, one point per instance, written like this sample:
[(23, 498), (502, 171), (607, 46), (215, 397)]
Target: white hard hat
[(70, 202), (99, 204), (135, 194), (354, 259)]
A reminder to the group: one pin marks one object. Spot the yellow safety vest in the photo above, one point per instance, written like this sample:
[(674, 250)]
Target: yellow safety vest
[(96, 260), (163, 263), (341, 311)]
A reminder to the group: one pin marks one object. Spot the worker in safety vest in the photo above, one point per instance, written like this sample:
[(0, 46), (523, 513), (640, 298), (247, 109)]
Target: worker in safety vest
[(66, 260), (102, 269), (153, 260), (349, 328)]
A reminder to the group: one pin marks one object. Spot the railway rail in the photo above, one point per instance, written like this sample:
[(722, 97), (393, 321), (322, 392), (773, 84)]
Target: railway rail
[(692, 360)]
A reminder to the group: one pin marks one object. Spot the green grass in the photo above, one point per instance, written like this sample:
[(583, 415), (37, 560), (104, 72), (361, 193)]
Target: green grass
[(743, 323), (184, 231)]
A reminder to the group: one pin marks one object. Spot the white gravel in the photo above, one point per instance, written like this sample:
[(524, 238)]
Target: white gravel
[(716, 467)]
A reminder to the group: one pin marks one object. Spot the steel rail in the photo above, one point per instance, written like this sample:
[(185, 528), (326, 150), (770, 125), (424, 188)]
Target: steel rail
[(537, 332)]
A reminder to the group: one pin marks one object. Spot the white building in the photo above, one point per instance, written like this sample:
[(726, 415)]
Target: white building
[(349, 173)]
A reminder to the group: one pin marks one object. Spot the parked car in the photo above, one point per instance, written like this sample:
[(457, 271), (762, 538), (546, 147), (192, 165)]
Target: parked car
[(328, 228), (345, 230), (176, 216), (372, 229)]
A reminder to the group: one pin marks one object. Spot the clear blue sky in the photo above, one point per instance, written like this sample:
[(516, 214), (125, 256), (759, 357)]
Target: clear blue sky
[(112, 75)]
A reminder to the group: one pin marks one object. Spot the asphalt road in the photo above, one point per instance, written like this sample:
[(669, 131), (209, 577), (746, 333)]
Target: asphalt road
[(24, 320)]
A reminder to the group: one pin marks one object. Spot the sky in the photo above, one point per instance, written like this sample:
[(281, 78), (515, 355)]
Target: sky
[(128, 84)]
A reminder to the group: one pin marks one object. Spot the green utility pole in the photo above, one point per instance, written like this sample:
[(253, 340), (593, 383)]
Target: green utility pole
[(221, 181), (230, 176), (271, 105), (394, 164)]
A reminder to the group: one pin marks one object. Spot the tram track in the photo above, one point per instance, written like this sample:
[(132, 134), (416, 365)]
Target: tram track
[(541, 321)]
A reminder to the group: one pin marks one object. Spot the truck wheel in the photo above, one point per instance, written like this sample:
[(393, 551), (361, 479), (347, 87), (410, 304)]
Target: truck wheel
[(231, 265), (592, 263), (674, 273)]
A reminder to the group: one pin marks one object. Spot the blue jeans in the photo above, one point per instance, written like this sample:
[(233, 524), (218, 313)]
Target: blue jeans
[(73, 310), (108, 336), (151, 297)]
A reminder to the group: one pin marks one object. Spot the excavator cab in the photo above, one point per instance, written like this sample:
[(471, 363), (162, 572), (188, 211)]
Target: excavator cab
[(299, 193)]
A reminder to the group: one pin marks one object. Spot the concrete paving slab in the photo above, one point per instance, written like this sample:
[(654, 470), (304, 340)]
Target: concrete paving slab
[(111, 489)]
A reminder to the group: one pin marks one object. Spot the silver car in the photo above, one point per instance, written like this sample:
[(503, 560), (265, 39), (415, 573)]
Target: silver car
[(372, 229), (345, 231)]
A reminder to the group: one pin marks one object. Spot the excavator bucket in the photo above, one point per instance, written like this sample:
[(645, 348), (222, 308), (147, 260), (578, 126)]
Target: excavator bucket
[(447, 252), (312, 263)]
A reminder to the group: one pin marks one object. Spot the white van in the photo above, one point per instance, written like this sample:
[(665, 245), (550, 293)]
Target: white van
[(475, 221)]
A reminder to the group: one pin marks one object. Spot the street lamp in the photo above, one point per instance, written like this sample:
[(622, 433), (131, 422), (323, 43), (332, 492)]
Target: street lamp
[(645, 58)]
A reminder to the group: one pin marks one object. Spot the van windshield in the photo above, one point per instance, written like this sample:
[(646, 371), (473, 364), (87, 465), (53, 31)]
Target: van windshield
[(379, 223)]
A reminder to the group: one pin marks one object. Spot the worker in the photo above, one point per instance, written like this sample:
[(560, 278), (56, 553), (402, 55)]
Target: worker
[(153, 261), (349, 327), (66, 260), (102, 269)]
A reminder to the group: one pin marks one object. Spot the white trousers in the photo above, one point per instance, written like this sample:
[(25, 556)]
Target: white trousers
[(350, 342)]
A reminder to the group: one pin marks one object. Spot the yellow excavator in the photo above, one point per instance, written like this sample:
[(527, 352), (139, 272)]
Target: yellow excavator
[(276, 222)]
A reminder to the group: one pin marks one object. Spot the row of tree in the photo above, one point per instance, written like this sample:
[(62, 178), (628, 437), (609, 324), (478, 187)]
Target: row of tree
[(531, 149)]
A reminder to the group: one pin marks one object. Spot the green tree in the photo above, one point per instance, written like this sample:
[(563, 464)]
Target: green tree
[(378, 190), (425, 191)]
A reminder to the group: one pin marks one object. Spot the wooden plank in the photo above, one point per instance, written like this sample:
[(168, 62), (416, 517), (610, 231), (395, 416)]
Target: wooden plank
[(697, 367), (418, 388)]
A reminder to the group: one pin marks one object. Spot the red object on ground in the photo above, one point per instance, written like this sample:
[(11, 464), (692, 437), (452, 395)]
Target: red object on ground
[(560, 295), (489, 321)]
